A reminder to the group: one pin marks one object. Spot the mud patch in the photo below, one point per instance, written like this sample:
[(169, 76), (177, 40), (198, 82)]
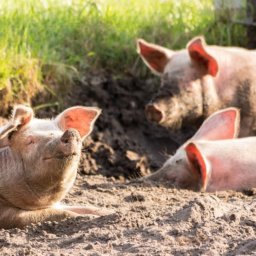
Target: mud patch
[(124, 143)]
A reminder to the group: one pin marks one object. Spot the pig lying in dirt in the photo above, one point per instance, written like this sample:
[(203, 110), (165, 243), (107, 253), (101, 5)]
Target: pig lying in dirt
[(213, 159), (38, 165), (199, 80)]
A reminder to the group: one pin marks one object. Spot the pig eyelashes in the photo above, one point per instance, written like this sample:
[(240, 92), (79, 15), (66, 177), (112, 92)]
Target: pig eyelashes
[(29, 140), (10, 135), (9, 131)]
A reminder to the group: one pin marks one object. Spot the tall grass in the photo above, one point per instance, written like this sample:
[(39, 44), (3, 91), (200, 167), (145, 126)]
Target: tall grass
[(71, 36)]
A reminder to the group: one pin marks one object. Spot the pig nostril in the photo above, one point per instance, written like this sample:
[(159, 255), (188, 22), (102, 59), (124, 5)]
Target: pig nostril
[(153, 113), (66, 137), (65, 140)]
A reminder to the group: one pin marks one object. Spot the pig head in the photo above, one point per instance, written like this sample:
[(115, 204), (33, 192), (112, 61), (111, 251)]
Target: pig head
[(213, 159), (199, 80), (38, 163)]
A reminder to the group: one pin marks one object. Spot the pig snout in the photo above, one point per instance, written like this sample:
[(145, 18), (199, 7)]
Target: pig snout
[(69, 136), (70, 142), (69, 145), (154, 113)]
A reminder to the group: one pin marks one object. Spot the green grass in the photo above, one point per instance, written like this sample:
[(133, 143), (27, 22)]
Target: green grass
[(52, 41)]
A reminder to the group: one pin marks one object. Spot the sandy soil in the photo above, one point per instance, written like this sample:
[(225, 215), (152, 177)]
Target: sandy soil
[(147, 219)]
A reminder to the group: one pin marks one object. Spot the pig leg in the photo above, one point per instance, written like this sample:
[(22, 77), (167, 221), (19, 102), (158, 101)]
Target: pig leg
[(85, 210), (14, 217)]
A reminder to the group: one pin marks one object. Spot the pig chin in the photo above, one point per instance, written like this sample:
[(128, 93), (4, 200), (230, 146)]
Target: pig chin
[(172, 124), (172, 120), (62, 162), (62, 154), (62, 157), (181, 118)]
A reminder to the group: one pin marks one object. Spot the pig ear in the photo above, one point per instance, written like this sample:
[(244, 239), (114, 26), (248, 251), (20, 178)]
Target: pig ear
[(154, 56), (199, 166), (80, 118), (198, 53), (21, 116), (221, 125)]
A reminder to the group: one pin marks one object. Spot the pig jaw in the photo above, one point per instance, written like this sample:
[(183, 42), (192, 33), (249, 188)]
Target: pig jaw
[(60, 160), (48, 188)]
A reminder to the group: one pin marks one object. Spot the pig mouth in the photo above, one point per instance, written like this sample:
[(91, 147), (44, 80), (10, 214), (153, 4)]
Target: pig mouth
[(60, 156), (171, 124)]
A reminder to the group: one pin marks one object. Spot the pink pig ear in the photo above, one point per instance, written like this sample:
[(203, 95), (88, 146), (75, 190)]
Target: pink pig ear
[(199, 166), (154, 56), (21, 116), (221, 125), (80, 118), (198, 53)]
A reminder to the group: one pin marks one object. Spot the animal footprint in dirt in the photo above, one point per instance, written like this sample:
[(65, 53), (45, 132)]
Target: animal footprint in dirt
[(213, 159), (38, 165)]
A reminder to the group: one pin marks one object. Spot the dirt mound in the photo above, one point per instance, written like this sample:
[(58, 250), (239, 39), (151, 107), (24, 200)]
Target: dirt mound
[(124, 143)]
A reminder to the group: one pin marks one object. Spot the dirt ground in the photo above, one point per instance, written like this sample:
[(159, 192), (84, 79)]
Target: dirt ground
[(147, 219)]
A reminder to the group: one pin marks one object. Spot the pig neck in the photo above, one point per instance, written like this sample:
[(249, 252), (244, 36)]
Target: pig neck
[(220, 90), (14, 188), (17, 190), (232, 63)]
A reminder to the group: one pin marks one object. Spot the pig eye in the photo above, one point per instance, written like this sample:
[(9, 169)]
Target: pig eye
[(178, 161), (30, 140), (10, 135)]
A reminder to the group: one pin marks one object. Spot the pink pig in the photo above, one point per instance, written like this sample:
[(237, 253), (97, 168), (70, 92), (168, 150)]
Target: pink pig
[(38, 164), (199, 80), (213, 159)]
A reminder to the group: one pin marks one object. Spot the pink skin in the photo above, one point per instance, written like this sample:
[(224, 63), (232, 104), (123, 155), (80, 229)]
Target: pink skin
[(213, 159), (225, 165), (199, 80), (38, 164)]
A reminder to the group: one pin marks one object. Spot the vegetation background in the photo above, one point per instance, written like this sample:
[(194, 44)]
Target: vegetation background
[(46, 45)]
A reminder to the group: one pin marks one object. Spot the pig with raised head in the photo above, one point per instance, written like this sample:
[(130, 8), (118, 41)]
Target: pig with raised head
[(38, 164), (213, 159), (199, 80)]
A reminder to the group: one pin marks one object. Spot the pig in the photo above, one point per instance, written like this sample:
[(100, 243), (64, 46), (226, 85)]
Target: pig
[(214, 159), (38, 165), (199, 80)]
